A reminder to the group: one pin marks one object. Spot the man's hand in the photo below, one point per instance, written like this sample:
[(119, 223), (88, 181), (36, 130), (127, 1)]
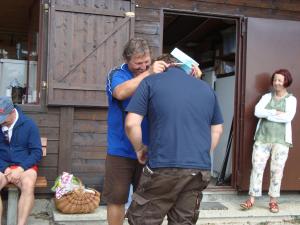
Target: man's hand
[(142, 154), (7, 173), (16, 174), (196, 72), (158, 67)]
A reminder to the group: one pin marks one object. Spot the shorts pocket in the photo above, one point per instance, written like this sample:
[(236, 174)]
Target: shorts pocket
[(197, 207), (145, 180), (205, 179), (139, 199), (137, 212), (206, 176)]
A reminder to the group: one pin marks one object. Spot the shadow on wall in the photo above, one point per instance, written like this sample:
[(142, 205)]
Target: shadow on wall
[(263, 84)]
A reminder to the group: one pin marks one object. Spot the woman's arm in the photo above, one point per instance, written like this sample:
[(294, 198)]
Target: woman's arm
[(260, 107), (288, 115)]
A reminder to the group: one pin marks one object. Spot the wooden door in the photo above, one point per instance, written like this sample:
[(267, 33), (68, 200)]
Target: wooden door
[(86, 39), (270, 45)]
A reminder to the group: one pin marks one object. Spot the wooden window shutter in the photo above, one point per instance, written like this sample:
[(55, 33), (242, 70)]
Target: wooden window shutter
[(86, 40)]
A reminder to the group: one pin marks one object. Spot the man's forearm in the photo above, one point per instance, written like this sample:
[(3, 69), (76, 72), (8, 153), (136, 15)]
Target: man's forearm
[(126, 89), (216, 132), (134, 134), (215, 139), (134, 130)]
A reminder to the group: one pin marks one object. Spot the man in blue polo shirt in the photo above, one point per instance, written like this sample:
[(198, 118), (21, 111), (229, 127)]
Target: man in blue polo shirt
[(122, 167), (185, 124)]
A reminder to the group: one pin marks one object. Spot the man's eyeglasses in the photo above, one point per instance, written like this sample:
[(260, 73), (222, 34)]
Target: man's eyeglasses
[(6, 136)]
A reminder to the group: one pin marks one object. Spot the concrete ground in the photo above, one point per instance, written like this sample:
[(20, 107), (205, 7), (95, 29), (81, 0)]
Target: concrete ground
[(217, 207)]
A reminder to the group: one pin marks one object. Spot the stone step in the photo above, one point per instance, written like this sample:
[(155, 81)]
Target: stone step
[(95, 218), (229, 213), (217, 207)]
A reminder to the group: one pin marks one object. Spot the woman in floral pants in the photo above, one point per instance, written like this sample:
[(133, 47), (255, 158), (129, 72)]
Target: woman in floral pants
[(273, 137)]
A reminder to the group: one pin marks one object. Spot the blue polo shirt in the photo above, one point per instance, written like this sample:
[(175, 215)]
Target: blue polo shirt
[(180, 110), (118, 143)]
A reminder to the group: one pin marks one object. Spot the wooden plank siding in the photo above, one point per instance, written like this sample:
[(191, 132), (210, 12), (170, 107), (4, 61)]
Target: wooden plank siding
[(256, 8), (65, 139), (89, 145), (147, 26), (49, 125), (76, 143)]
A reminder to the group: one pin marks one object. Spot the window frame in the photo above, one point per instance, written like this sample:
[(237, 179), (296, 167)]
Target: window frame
[(41, 106)]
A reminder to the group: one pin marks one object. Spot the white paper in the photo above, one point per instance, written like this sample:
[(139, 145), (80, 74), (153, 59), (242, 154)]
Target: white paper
[(184, 58)]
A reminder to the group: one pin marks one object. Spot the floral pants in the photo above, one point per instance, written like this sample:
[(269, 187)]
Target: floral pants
[(261, 154)]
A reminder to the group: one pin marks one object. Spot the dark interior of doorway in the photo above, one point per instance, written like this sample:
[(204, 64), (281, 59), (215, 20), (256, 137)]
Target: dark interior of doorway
[(211, 41), (19, 40)]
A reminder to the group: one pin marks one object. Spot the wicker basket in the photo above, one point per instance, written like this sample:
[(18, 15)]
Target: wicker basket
[(78, 201)]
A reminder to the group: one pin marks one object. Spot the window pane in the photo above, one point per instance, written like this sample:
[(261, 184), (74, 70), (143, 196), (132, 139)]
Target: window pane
[(19, 31)]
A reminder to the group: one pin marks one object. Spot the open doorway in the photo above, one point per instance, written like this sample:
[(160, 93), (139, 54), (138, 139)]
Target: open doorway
[(211, 41), (19, 50)]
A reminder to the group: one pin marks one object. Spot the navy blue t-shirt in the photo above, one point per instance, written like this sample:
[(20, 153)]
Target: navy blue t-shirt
[(180, 111), (118, 143)]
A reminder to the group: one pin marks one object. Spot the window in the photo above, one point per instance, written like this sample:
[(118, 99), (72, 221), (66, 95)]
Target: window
[(19, 48)]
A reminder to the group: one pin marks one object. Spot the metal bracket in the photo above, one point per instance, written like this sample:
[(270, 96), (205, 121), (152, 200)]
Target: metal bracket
[(46, 7)]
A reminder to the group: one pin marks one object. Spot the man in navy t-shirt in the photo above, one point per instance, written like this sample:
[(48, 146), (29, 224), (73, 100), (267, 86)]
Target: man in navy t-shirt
[(185, 124), (122, 167)]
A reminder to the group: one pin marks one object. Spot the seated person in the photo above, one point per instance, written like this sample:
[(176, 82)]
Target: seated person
[(20, 151)]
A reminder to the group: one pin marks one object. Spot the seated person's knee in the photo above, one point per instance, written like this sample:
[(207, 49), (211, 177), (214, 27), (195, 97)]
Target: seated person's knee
[(27, 184)]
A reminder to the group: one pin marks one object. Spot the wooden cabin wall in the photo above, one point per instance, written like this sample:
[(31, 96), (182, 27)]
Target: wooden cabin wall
[(268, 9), (77, 136), (89, 145), (85, 130), (49, 126), (147, 26)]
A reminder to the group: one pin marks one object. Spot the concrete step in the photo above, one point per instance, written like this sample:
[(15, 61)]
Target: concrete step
[(217, 208), (226, 212), (211, 217)]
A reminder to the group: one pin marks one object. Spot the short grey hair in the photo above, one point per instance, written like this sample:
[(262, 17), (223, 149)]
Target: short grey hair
[(136, 46)]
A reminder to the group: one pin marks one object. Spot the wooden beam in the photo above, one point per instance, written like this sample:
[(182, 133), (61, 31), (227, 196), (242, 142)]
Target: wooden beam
[(84, 10), (65, 139), (268, 4), (275, 4), (85, 87), (278, 10)]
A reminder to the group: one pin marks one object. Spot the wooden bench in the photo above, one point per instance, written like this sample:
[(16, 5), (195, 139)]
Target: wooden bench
[(13, 192)]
